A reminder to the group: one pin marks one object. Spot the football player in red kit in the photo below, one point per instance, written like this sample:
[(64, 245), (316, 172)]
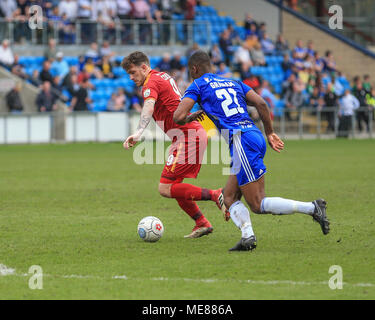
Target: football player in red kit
[(161, 98)]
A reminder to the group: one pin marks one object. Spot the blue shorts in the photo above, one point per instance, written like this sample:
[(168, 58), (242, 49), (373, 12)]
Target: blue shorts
[(247, 151)]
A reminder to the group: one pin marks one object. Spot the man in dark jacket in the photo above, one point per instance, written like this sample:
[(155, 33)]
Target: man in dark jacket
[(46, 99), (13, 99)]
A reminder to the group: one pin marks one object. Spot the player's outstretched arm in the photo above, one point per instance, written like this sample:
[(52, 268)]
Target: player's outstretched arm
[(146, 115), (182, 116), (258, 102)]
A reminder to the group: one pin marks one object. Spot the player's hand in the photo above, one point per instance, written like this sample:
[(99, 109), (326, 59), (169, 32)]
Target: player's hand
[(131, 141), (197, 115), (275, 142)]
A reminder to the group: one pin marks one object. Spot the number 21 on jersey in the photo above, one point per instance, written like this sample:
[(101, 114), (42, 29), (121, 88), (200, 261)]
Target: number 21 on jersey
[(226, 95)]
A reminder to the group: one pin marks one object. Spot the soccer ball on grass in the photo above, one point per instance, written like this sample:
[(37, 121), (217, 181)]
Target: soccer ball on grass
[(150, 229)]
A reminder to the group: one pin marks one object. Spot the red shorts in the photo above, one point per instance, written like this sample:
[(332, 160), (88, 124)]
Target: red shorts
[(185, 158)]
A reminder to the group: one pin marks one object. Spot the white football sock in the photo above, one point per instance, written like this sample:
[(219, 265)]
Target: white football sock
[(241, 218), (286, 206)]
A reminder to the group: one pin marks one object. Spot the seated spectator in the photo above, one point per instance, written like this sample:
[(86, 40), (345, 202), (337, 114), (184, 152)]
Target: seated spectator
[(59, 67), (257, 56), (17, 68), (252, 31), (310, 48), (216, 55), (293, 100), (176, 63), (93, 52), (117, 101), (224, 71), (106, 50), (329, 62), (234, 37), (299, 50), (252, 81), (265, 92), (282, 45), (319, 62), (67, 80), (249, 22), (262, 29), (165, 63), (34, 79), (105, 67), (266, 44), (225, 45), (45, 74), (6, 54), (296, 61), (314, 98), (92, 70), (286, 65), (251, 41), (242, 57), (81, 98), (51, 50), (46, 100), (366, 83), (13, 99)]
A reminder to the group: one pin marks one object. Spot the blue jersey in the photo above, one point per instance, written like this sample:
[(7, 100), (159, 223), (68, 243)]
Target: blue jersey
[(224, 102)]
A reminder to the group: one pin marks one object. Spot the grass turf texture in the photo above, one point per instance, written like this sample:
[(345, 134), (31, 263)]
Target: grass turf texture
[(73, 209)]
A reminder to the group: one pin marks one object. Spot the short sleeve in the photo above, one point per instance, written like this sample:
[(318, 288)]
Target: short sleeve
[(150, 90), (192, 92), (245, 87)]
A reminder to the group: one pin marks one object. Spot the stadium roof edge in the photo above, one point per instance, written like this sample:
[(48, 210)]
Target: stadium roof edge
[(323, 28)]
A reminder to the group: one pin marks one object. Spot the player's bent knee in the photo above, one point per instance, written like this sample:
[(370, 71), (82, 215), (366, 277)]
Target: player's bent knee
[(165, 190)]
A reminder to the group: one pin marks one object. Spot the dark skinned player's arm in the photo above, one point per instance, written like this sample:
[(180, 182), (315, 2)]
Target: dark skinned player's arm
[(182, 114)]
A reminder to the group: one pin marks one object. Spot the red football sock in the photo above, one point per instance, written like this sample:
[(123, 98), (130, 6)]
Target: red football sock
[(191, 208), (189, 192)]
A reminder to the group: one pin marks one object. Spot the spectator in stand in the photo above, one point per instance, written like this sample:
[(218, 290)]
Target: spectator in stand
[(105, 12), (331, 101), (267, 45), (142, 11), (68, 81), (124, 9), (81, 98), (59, 67), (257, 56), (224, 71), (293, 99), (117, 101), (314, 98), (92, 70), (310, 48), (338, 87), (45, 74), (93, 52), (6, 54), (165, 63), (366, 83), (67, 32), (362, 115), (106, 67), (319, 63), (242, 57), (265, 92), (251, 41), (176, 63), (34, 79), (226, 46), (348, 105), (51, 50), (21, 16), (297, 61), (46, 100), (84, 13), (299, 51), (329, 62), (262, 29), (234, 37), (13, 99), (106, 50), (216, 55), (282, 45), (249, 22), (17, 68), (69, 8), (252, 81), (286, 65), (192, 50)]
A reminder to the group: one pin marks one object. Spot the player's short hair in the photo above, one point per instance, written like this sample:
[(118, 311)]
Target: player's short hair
[(200, 58), (137, 58)]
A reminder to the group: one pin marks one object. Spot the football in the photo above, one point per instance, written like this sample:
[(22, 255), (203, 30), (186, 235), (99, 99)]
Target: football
[(150, 229)]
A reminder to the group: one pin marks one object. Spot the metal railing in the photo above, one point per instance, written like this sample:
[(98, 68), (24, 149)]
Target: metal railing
[(130, 32), (306, 123)]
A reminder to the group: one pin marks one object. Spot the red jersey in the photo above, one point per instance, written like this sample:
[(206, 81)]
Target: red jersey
[(162, 87)]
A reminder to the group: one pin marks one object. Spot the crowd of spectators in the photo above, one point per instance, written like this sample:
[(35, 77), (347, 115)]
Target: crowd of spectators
[(60, 17), (309, 78)]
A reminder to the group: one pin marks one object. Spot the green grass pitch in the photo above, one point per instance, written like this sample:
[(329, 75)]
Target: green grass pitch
[(73, 210)]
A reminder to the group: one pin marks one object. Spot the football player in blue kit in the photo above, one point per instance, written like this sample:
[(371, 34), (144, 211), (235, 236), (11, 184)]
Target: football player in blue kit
[(225, 102)]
